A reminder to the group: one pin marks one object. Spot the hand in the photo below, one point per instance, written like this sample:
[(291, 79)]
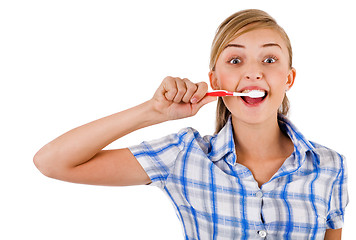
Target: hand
[(180, 98)]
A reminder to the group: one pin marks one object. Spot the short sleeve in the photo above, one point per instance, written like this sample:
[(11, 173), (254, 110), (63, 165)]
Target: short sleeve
[(339, 198), (157, 157)]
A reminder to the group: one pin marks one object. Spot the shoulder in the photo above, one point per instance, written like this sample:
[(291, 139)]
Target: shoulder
[(191, 137), (186, 137), (329, 157)]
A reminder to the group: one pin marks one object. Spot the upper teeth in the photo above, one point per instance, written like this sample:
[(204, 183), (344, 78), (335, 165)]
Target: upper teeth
[(254, 90)]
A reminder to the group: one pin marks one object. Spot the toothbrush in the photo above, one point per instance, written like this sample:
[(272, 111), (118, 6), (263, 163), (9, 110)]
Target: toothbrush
[(223, 93)]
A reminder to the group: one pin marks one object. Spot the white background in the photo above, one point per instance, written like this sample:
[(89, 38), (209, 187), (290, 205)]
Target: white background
[(65, 63)]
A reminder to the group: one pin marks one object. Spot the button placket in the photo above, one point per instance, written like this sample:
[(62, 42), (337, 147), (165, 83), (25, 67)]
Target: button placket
[(262, 233), (259, 194)]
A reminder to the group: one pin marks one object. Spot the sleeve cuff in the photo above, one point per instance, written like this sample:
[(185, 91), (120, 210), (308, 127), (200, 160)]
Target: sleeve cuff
[(148, 165), (335, 223)]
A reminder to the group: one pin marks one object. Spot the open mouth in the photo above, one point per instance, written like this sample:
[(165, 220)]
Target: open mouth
[(254, 101)]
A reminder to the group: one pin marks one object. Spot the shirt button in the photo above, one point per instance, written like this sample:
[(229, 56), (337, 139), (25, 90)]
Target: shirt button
[(259, 194), (262, 233)]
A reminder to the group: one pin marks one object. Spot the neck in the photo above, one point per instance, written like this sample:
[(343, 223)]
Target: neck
[(261, 142)]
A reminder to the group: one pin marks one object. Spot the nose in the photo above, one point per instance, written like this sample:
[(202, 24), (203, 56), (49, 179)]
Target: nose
[(253, 72), (253, 76)]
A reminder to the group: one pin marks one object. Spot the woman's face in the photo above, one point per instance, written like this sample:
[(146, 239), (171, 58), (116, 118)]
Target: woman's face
[(258, 60)]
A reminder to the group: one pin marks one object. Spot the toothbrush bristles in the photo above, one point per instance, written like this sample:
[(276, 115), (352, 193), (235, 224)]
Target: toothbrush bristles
[(256, 94)]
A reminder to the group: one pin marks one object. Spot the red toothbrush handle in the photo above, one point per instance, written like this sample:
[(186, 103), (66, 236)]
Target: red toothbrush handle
[(219, 93)]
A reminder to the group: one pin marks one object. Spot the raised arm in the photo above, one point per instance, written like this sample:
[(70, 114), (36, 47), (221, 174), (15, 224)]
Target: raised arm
[(77, 155)]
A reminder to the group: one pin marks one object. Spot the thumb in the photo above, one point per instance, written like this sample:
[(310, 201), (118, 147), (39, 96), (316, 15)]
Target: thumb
[(206, 100)]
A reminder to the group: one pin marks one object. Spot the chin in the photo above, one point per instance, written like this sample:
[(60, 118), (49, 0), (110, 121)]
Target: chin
[(250, 119), (252, 114)]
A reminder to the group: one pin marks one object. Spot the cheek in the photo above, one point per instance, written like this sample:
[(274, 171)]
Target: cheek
[(278, 90), (227, 81), (278, 80)]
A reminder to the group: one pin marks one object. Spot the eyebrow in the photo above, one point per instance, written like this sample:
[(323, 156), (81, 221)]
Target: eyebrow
[(264, 45), (235, 45), (271, 45)]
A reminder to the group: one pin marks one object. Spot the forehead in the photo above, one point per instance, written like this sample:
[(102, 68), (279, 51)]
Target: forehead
[(259, 37)]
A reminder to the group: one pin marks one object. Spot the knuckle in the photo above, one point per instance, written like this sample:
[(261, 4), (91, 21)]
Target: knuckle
[(191, 86), (194, 86), (187, 81), (203, 85), (168, 78)]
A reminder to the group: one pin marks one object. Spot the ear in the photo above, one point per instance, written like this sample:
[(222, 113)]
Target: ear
[(213, 80), (290, 78)]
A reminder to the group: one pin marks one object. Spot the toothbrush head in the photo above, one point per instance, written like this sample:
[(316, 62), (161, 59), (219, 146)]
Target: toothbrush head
[(256, 94)]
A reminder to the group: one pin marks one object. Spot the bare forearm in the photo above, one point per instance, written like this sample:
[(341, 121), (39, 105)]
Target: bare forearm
[(82, 143), (75, 156), (333, 234)]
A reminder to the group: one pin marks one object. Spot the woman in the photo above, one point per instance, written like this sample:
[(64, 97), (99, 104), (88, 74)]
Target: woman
[(257, 177)]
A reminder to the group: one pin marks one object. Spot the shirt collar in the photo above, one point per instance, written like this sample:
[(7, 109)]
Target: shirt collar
[(299, 141), (223, 145), (301, 144)]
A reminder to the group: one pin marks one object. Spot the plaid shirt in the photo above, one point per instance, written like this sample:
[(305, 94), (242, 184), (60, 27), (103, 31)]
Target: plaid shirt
[(217, 198)]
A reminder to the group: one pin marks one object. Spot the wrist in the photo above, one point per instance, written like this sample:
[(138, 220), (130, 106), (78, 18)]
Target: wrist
[(150, 114)]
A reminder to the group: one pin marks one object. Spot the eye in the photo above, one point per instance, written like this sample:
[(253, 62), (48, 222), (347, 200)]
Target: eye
[(234, 61), (270, 60)]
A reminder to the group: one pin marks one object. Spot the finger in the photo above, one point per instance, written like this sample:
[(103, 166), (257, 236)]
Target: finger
[(169, 88), (202, 89), (181, 90), (204, 101), (191, 89)]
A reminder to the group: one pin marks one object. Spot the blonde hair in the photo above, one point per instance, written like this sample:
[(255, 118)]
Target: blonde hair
[(228, 30)]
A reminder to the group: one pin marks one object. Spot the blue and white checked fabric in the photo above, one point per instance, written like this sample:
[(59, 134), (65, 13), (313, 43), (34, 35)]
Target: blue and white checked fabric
[(217, 198)]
